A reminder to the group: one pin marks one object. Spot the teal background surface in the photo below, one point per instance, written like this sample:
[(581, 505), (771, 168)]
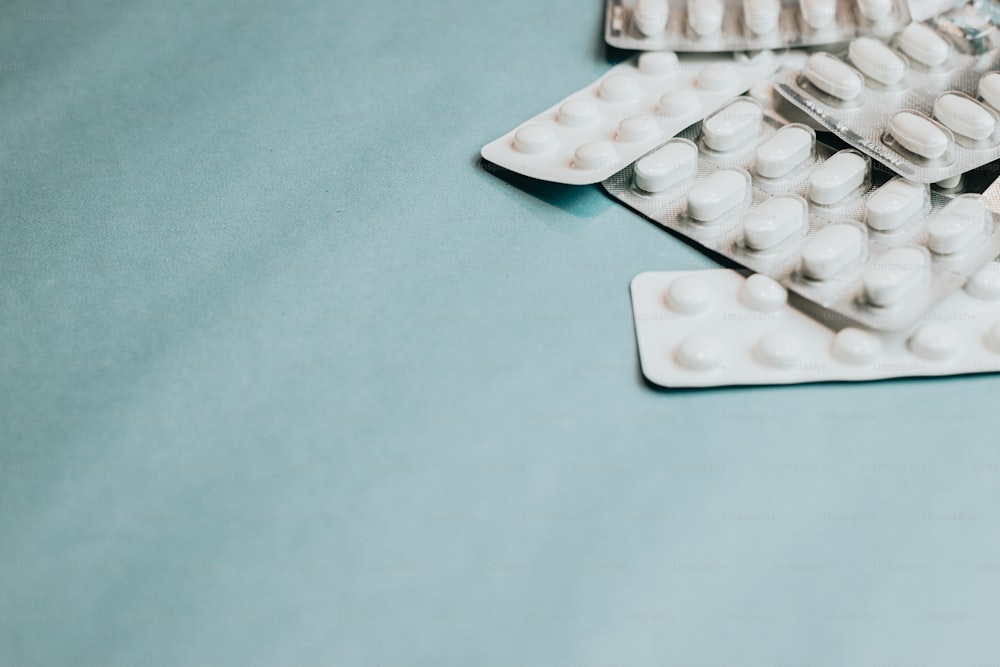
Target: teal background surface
[(288, 378)]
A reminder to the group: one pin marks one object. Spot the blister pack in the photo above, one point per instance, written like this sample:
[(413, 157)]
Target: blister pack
[(774, 200), (918, 104), (715, 327), (635, 106), (746, 25)]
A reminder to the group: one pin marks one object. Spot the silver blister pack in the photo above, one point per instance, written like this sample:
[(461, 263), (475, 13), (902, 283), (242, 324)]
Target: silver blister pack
[(774, 200)]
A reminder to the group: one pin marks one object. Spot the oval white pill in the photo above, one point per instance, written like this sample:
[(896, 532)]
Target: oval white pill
[(989, 89), (875, 10), (733, 126), (955, 226), (700, 352), (763, 294), (894, 274), (650, 16), (894, 203), (761, 16), (776, 220), (833, 76), (918, 134), (619, 88), (831, 250), (689, 296), (534, 139), (838, 177), (985, 283), (923, 44), (993, 337), (788, 148), (963, 115), (876, 61), (679, 104), (779, 350), (638, 129), (718, 76), (717, 194), (935, 342), (578, 113), (667, 166), (856, 346), (950, 183), (593, 155), (818, 14), (705, 16), (658, 63)]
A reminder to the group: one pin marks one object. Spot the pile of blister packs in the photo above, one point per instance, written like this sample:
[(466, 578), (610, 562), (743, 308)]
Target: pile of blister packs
[(843, 152)]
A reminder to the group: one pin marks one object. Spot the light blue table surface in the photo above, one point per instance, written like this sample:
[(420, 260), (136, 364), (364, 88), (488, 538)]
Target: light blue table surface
[(288, 378)]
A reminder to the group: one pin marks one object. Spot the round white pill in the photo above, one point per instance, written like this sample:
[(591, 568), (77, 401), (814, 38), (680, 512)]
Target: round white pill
[(837, 178), (578, 113), (876, 61), (700, 352), (935, 342), (833, 76), (831, 250), (918, 134), (875, 10), (893, 275), (923, 44), (761, 16), (658, 63), (638, 129), (989, 89), (619, 88), (958, 224), (950, 183), (775, 221), (705, 16), (689, 296), (993, 337), (593, 155), (779, 349), (650, 16), (718, 76), (732, 126), (856, 346), (763, 294), (894, 203), (787, 149), (717, 194), (818, 13), (985, 283), (667, 166), (963, 115), (679, 104), (534, 139)]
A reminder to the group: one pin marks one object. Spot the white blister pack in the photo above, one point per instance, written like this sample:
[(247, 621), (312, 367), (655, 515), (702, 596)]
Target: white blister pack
[(715, 327), (635, 106), (775, 201), (747, 25), (918, 104)]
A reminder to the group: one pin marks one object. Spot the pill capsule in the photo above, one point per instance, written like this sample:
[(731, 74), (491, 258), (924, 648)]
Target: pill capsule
[(818, 14), (689, 296), (831, 250), (658, 63), (638, 128), (718, 77), (875, 10), (667, 166), (650, 16), (876, 61), (923, 44), (833, 76), (894, 274), (894, 203), (985, 283), (779, 349), (593, 155), (679, 104), (856, 346), (733, 126), (989, 89), (761, 16), (578, 113), (918, 134), (776, 220), (950, 183), (619, 88), (838, 177), (788, 148), (719, 193), (701, 352), (956, 225), (763, 294), (705, 16), (963, 115), (935, 342), (534, 139), (993, 337)]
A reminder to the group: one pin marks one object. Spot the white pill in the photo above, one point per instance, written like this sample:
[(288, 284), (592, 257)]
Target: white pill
[(578, 113), (638, 129), (763, 294), (918, 134), (894, 274), (705, 16), (894, 203), (689, 296), (963, 115), (779, 350), (838, 177), (831, 250), (993, 337), (788, 148), (700, 352), (717, 194), (989, 89), (680, 104), (833, 76), (733, 126), (876, 61), (761, 16), (776, 220), (923, 44), (875, 10), (955, 226), (935, 342), (950, 183), (534, 139), (658, 63), (856, 346), (619, 88), (667, 166), (818, 13), (650, 16), (985, 283), (593, 155), (717, 77)]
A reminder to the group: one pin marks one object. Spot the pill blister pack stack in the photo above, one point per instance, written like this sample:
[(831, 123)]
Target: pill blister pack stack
[(736, 25)]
